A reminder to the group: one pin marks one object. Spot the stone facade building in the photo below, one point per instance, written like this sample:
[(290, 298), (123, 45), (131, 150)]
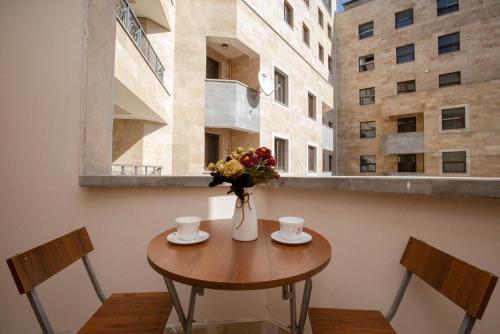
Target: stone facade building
[(418, 87)]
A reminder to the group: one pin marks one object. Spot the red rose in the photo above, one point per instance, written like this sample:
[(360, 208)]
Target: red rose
[(264, 152), (277, 176), (247, 160), (271, 162)]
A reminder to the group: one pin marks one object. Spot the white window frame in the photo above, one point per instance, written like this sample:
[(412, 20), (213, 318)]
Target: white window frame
[(289, 151), (467, 123), (317, 155), (467, 162), (314, 120)]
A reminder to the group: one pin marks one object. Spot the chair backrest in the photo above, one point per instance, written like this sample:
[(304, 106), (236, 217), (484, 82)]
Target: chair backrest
[(40, 263), (467, 286)]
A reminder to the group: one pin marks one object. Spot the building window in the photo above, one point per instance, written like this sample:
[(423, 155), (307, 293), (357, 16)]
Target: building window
[(330, 64), (306, 2), (311, 159), (211, 148), (407, 163), (407, 124), (320, 18), (365, 30), (367, 96), (281, 154), (449, 43), (453, 118), (327, 162), (367, 164), (404, 18), (212, 69), (280, 87), (288, 14), (367, 130), (321, 52), (405, 53), (455, 162), (311, 106), (450, 79), (330, 32), (406, 86), (305, 34), (366, 63), (446, 6)]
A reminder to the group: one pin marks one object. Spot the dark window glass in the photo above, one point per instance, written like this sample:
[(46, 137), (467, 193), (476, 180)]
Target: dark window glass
[(305, 34), (407, 124), (320, 17), (404, 18), (367, 163), (453, 118), (211, 148), (406, 86), (321, 53), (280, 87), (281, 154), (407, 163), (330, 124), (450, 79), (366, 63), (405, 53), (330, 32), (446, 6), (306, 2), (367, 96), (311, 158), (327, 162), (455, 162), (311, 106), (212, 68), (365, 30), (449, 43), (367, 130), (330, 63), (288, 14)]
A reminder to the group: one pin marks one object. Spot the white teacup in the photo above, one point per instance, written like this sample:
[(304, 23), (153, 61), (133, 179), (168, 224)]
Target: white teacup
[(291, 227), (187, 227)]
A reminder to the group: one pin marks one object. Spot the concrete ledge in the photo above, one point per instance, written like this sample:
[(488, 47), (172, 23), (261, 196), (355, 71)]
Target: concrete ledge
[(449, 186)]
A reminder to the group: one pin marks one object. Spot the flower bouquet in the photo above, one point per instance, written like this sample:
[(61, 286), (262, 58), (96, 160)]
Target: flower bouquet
[(244, 169)]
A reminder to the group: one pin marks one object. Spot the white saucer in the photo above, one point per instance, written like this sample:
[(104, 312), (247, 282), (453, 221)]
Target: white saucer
[(304, 238), (202, 236)]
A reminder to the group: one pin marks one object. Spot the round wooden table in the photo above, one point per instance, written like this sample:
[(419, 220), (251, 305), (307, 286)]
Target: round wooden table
[(225, 264)]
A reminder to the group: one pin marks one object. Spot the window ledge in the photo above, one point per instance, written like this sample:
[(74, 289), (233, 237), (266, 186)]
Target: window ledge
[(446, 186)]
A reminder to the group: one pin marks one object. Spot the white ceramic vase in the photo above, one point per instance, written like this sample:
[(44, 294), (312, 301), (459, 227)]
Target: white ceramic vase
[(245, 227)]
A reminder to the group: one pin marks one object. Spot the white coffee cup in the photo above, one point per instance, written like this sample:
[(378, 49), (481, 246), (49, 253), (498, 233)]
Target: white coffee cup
[(291, 227), (187, 227)]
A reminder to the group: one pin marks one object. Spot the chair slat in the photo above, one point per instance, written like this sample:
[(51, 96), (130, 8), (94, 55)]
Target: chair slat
[(40, 263), (467, 286)]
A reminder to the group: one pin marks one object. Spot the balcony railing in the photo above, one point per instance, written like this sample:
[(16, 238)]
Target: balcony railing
[(131, 24), (135, 170)]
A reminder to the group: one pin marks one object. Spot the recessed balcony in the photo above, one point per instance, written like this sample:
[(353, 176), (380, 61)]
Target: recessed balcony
[(403, 143), (231, 104)]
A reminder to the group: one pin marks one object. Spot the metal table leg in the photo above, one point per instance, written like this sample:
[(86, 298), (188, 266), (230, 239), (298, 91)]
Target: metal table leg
[(289, 294), (186, 322)]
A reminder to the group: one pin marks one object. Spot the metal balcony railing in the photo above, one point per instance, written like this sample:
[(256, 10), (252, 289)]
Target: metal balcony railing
[(135, 170), (130, 23)]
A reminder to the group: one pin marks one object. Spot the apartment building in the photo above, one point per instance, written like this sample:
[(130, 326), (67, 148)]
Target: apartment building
[(220, 49), (418, 87), (143, 87)]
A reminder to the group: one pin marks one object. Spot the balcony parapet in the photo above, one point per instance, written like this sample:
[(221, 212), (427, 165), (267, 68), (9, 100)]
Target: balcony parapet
[(131, 25), (404, 174), (231, 104), (328, 138), (403, 143)]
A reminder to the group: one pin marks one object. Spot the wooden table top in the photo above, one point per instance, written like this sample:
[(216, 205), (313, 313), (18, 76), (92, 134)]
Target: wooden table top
[(225, 264)]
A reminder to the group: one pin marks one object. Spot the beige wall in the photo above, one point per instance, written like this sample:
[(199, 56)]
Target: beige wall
[(479, 26)]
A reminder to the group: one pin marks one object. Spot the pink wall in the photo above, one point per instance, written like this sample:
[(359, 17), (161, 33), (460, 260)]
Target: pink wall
[(40, 122)]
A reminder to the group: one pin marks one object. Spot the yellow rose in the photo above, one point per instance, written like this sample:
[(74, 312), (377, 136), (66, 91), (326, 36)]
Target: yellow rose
[(220, 165), (240, 150), (211, 166), (232, 167)]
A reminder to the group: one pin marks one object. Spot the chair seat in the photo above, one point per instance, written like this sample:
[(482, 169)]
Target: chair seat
[(131, 313), (341, 321)]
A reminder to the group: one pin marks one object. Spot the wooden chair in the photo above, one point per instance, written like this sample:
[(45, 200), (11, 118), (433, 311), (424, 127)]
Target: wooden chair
[(120, 313), (465, 285)]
